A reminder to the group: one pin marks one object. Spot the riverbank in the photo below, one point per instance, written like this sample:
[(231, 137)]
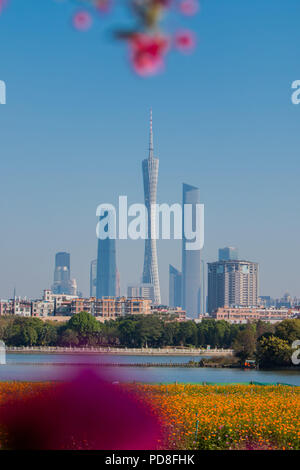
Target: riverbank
[(121, 351)]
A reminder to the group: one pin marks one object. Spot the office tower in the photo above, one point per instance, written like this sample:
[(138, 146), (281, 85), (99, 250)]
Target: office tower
[(150, 176), (133, 291), (93, 278), (63, 284), (203, 289), (144, 291), (106, 264), (118, 287), (228, 253), (191, 265), (175, 287), (232, 283)]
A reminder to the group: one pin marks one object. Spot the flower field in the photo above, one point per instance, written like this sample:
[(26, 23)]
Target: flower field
[(227, 417), (207, 416)]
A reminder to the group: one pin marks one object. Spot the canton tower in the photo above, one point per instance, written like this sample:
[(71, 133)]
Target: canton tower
[(150, 176)]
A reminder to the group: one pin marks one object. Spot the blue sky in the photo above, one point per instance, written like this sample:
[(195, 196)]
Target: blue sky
[(75, 130)]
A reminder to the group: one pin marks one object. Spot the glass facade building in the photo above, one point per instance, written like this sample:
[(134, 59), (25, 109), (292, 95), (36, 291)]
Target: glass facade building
[(175, 287), (191, 261), (93, 278), (63, 284), (106, 265)]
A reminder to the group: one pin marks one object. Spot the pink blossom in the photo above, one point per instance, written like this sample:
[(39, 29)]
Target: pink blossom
[(82, 20), (147, 53), (189, 7), (185, 41)]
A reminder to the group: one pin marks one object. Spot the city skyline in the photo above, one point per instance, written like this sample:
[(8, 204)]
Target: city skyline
[(70, 136)]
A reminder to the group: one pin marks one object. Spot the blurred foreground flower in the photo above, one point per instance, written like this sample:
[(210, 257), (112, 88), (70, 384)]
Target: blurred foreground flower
[(147, 53), (185, 41), (189, 7), (82, 20), (146, 38), (87, 413), (3, 4)]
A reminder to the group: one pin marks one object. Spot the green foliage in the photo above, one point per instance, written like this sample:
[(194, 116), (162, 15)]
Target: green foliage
[(245, 343), (271, 345), (273, 351), (288, 330), (69, 338)]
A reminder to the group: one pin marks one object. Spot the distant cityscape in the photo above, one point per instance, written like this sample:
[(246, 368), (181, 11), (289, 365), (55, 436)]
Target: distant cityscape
[(228, 290)]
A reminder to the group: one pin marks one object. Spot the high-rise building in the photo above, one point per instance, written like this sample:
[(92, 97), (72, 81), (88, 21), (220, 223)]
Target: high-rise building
[(150, 177), (63, 284), (118, 287), (106, 284), (232, 283), (143, 291), (175, 287), (203, 289), (191, 265), (228, 253), (93, 278)]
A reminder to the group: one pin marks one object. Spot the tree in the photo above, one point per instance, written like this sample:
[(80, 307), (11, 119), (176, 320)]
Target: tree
[(86, 326), (263, 327), (48, 334), (187, 333), (273, 351), (149, 331), (288, 330), (69, 338), (127, 330), (170, 333), (244, 344)]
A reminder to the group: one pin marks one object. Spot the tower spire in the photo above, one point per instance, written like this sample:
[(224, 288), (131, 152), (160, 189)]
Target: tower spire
[(151, 137)]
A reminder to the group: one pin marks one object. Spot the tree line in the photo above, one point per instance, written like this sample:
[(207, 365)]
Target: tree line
[(270, 345)]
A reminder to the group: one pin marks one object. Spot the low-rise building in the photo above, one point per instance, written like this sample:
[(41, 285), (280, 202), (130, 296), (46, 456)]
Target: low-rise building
[(6, 307), (248, 314), (42, 308), (22, 308), (170, 313)]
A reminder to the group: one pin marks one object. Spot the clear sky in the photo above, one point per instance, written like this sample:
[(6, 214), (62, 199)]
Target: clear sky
[(75, 130)]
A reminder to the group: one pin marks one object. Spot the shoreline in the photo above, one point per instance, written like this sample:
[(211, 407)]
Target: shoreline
[(120, 352)]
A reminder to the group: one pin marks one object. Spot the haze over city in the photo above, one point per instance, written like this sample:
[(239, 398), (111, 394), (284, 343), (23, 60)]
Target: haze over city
[(224, 123)]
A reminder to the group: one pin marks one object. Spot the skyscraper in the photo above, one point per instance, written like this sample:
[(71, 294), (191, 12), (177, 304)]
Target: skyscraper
[(175, 287), (232, 283), (93, 278), (63, 284), (228, 253), (150, 176), (191, 266), (106, 265)]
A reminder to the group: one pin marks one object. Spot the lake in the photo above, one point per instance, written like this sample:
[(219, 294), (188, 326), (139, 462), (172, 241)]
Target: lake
[(44, 367)]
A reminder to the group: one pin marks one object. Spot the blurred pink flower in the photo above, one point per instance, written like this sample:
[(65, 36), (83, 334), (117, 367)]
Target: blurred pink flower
[(82, 20), (3, 4), (87, 413), (189, 7), (103, 6), (185, 41), (147, 53)]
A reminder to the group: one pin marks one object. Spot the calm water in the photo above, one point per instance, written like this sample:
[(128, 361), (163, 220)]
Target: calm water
[(40, 367)]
